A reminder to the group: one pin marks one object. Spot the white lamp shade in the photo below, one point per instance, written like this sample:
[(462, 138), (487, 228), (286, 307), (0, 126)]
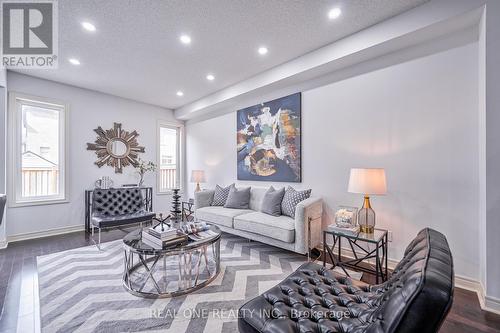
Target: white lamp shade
[(198, 176), (367, 181)]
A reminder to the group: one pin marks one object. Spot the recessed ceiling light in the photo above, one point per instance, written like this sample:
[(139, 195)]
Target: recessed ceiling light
[(262, 50), (185, 39), (74, 61), (210, 77), (88, 26), (334, 13), (180, 93)]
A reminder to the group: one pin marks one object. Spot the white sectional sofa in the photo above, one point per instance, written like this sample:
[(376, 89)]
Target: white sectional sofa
[(298, 235)]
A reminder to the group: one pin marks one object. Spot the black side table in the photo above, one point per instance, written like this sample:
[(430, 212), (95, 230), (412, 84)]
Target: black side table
[(359, 245), (188, 210)]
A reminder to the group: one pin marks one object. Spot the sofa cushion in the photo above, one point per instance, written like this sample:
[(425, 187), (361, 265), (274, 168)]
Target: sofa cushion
[(203, 198), (256, 196), (238, 198), (219, 215), (220, 195), (105, 221), (291, 199), (278, 227), (271, 204)]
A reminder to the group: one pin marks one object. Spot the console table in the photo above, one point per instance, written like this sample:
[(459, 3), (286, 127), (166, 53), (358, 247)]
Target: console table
[(361, 252), (147, 194)]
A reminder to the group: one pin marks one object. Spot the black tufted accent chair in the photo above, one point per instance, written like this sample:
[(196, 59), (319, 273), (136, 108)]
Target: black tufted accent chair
[(415, 299), (117, 207)]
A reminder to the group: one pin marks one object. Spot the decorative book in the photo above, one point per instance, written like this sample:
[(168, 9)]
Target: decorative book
[(167, 232), (342, 230), (160, 244)]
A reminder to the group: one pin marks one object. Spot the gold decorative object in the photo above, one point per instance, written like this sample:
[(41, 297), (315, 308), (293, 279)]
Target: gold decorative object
[(116, 147)]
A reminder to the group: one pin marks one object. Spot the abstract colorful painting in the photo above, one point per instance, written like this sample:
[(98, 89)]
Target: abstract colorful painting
[(268, 137)]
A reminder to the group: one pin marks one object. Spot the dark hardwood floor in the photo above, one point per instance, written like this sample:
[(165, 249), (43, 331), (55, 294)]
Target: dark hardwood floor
[(18, 271)]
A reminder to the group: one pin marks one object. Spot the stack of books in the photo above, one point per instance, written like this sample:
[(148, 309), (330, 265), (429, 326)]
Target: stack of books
[(344, 230), (160, 239)]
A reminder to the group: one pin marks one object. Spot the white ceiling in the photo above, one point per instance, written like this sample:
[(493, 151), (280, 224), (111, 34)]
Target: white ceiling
[(136, 52)]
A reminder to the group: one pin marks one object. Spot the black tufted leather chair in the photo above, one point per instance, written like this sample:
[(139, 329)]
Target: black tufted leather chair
[(415, 299), (116, 207)]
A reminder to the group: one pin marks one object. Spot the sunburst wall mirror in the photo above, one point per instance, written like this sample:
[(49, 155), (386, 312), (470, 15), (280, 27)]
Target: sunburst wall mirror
[(116, 147)]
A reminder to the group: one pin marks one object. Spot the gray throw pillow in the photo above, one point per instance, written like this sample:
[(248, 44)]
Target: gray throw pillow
[(291, 199), (220, 195), (238, 198), (203, 198), (271, 204)]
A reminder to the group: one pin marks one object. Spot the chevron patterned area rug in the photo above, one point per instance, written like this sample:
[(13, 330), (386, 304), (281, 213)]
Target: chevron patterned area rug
[(81, 290)]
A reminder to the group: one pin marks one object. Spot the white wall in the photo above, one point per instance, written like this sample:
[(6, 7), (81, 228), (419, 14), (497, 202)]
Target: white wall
[(88, 109), (3, 77), (418, 120), (491, 80), (3, 130)]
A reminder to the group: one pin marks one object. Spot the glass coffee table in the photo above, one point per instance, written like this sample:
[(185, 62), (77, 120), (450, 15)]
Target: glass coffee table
[(158, 273), (364, 249)]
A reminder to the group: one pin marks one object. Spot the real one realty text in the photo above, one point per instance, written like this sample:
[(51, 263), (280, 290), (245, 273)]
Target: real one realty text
[(228, 314)]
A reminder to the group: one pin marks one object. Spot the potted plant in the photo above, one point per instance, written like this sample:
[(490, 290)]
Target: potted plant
[(144, 167)]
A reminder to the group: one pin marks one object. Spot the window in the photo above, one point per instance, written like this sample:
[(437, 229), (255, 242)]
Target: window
[(166, 159), (44, 151), (37, 133), (169, 152)]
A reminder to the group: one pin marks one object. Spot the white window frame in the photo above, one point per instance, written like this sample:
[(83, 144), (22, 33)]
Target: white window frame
[(179, 151), (15, 155)]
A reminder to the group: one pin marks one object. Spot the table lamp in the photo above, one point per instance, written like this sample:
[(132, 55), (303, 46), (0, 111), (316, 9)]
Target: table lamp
[(367, 182), (197, 176)]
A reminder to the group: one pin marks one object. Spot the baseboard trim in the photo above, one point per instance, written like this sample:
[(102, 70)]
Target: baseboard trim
[(3, 244), (45, 233), (488, 303), (491, 304), (466, 283)]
